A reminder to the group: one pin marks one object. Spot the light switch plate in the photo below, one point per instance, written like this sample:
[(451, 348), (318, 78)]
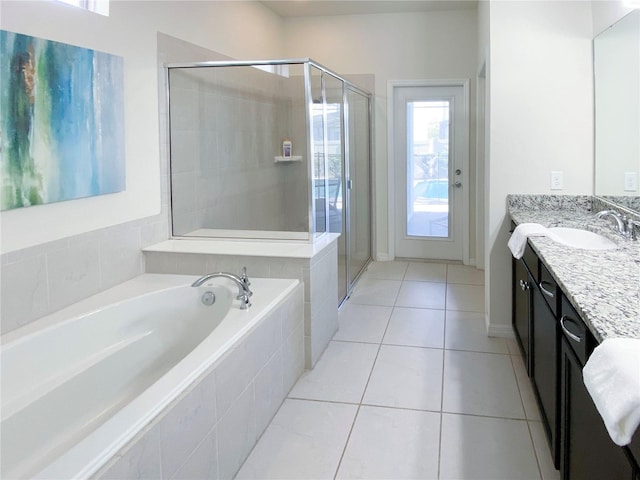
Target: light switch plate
[(557, 180), (630, 181)]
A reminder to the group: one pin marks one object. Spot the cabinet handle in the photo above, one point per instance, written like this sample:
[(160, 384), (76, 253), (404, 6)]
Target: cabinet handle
[(566, 331), (524, 285), (548, 293)]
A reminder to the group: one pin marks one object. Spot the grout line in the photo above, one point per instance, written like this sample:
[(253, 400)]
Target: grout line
[(360, 342), (389, 407), (375, 360), (404, 276), (444, 354), (335, 402), (494, 417), (344, 450), (535, 452), (440, 444), (421, 346)]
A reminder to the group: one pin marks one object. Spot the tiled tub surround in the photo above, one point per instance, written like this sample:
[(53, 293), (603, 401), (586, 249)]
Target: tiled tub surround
[(263, 345), (40, 280), (209, 430), (314, 264), (603, 286)]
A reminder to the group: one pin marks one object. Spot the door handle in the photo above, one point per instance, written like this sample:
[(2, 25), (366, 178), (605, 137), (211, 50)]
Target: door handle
[(457, 184), (458, 171)]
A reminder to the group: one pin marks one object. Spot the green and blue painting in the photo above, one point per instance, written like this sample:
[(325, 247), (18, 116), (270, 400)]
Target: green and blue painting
[(61, 122)]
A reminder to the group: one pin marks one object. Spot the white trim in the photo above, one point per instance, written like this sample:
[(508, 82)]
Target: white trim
[(384, 257), (501, 331), (481, 162), (391, 201)]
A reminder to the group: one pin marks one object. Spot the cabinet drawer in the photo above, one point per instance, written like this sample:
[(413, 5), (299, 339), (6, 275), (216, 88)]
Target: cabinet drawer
[(549, 289), (576, 332)]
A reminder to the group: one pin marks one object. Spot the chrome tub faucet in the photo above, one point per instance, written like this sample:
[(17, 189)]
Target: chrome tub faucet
[(242, 281)]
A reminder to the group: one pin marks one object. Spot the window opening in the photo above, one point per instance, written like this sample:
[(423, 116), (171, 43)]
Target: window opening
[(97, 6)]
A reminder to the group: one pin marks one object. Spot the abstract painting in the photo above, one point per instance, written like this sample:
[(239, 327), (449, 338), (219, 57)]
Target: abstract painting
[(61, 122)]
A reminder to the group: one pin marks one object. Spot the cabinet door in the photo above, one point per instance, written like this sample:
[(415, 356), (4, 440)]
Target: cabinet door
[(587, 450), (544, 359), (522, 308)]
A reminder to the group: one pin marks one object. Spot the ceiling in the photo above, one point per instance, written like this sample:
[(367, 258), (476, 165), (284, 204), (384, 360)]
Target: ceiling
[(312, 8)]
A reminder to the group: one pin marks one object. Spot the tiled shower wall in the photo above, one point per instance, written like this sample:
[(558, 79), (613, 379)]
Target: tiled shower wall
[(227, 125)]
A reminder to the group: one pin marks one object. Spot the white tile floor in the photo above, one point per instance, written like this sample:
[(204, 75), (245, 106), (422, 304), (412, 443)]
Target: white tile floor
[(409, 388)]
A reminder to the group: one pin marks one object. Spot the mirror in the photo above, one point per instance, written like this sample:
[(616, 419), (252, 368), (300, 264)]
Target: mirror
[(617, 112)]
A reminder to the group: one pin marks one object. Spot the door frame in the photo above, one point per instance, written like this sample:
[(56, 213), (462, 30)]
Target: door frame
[(391, 190)]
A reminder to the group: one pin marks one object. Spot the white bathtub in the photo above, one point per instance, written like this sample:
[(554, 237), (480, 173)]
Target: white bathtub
[(81, 383)]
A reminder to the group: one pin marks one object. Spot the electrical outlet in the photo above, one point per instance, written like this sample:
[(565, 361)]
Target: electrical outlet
[(557, 181), (630, 181)]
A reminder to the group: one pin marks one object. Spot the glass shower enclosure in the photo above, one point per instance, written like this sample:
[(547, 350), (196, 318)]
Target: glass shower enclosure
[(271, 150)]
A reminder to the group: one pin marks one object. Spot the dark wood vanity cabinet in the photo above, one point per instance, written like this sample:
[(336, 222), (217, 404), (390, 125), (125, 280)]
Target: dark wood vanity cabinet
[(556, 344), (587, 451)]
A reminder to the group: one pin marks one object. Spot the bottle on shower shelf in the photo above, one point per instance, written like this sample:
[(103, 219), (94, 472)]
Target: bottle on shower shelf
[(286, 148)]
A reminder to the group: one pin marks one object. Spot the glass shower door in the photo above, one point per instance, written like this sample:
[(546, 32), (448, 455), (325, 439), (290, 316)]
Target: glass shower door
[(359, 183), (317, 136), (336, 174)]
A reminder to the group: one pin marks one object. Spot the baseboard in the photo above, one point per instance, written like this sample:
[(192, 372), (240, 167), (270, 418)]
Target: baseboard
[(502, 331), (383, 257)]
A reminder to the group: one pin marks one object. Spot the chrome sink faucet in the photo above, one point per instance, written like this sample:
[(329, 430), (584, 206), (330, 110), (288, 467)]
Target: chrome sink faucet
[(616, 216), (627, 227), (242, 281)]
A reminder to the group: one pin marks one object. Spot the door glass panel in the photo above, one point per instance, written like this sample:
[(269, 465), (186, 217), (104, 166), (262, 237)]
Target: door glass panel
[(318, 150), (428, 175), (335, 174), (359, 194)]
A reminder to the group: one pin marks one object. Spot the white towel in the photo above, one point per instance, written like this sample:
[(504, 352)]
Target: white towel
[(518, 240), (612, 377)]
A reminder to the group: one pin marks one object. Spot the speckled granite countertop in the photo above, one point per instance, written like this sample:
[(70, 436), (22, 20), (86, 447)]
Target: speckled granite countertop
[(603, 286)]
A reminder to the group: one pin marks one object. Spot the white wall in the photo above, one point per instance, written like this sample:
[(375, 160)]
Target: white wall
[(606, 13), (541, 96), (130, 31), (411, 46)]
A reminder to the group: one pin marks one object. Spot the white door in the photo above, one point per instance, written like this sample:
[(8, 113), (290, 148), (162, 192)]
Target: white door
[(430, 150)]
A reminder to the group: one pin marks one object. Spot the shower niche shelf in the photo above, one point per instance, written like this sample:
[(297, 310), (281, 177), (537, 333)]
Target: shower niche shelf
[(292, 158)]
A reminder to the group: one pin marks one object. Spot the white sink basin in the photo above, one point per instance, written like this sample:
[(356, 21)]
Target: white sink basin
[(577, 238)]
